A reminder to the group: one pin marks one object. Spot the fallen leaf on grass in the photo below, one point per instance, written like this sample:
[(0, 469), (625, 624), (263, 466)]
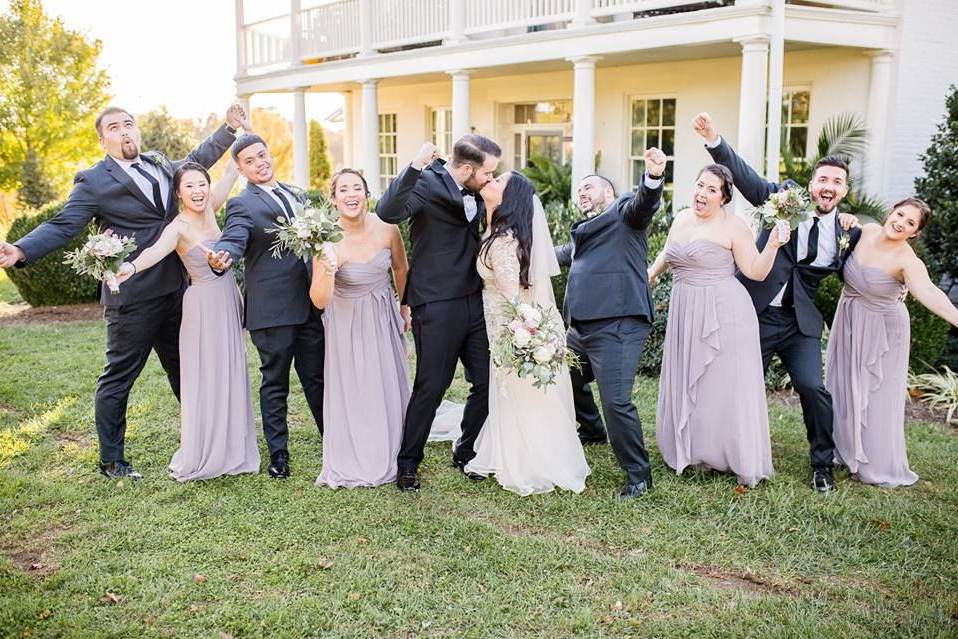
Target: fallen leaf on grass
[(46, 614), (226, 635), (199, 579), (362, 541), (324, 563), (111, 598), (741, 489), (150, 622), (645, 531), (354, 596), (36, 566), (618, 606), (882, 525)]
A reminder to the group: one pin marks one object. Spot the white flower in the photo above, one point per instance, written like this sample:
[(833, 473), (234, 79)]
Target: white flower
[(521, 337), (302, 233), (544, 354), (107, 247), (281, 219), (530, 314)]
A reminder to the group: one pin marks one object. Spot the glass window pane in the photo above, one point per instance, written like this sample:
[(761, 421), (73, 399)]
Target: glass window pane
[(669, 171), (668, 112), (654, 115), (638, 168), (638, 141), (638, 113), (798, 142), (651, 139), (668, 141), (800, 104)]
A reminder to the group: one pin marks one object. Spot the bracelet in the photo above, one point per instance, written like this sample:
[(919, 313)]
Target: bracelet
[(134, 268)]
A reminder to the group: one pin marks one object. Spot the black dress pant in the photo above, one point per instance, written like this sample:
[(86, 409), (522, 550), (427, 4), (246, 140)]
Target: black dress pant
[(802, 358), (609, 351), (446, 332), (280, 347), (132, 331)]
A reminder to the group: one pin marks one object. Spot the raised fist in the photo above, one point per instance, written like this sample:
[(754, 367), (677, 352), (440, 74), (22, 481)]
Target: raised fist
[(702, 124), (426, 155), (655, 162)]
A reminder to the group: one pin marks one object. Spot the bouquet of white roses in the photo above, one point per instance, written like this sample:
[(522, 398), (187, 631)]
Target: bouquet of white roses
[(532, 343), (102, 256), (791, 206), (304, 234)]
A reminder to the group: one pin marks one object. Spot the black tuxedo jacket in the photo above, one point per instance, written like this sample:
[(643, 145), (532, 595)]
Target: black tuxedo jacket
[(107, 194), (805, 279), (442, 263), (277, 290), (608, 256)]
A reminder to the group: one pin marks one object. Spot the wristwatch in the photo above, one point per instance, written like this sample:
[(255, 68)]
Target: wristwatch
[(231, 129)]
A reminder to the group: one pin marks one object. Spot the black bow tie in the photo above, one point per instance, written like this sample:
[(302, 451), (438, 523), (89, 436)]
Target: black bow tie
[(465, 192)]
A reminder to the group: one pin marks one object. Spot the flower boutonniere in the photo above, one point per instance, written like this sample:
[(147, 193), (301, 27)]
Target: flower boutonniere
[(159, 160), (844, 242)]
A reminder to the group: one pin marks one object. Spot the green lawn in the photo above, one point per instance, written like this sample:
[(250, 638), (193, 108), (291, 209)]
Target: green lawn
[(695, 558)]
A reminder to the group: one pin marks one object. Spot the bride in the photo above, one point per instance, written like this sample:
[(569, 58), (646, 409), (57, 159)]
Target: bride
[(529, 441)]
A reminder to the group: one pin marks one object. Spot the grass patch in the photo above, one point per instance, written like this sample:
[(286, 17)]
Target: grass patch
[(84, 557)]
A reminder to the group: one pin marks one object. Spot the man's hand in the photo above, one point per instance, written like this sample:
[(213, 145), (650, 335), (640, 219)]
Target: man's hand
[(702, 124), (655, 162), (848, 221), (426, 155), (10, 255), (219, 260), (237, 118)]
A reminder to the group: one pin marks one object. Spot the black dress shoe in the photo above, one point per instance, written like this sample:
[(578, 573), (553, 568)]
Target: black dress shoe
[(588, 440), (461, 465), (823, 480), (279, 466), (119, 470), (408, 482), (631, 491)]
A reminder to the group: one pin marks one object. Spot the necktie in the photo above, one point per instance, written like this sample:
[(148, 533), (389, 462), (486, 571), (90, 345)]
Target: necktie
[(812, 251), (157, 198), (282, 198)]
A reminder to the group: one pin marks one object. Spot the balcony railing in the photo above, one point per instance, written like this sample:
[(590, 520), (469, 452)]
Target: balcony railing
[(335, 29)]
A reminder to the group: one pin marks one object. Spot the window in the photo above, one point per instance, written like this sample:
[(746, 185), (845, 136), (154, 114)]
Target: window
[(440, 126), (653, 124), (795, 106), (555, 112), (388, 157)]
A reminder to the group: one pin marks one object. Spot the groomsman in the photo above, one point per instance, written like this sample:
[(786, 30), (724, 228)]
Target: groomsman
[(443, 206), (608, 309), (132, 194), (284, 326), (790, 325)]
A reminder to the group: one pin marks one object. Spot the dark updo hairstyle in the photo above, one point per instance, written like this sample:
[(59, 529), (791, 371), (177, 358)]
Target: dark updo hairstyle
[(723, 174), (923, 207), (514, 215), (341, 173), (185, 168)]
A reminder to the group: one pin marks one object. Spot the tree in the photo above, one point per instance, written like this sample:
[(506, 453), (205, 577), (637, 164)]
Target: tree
[(939, 187), (36, 188), (278, 133), (320, 166), (49, 97), (162, 132)]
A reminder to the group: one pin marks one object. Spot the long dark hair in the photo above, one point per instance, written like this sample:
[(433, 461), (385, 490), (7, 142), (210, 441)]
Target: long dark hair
[(514, 215)]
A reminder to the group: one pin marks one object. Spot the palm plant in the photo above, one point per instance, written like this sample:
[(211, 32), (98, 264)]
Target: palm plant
[(551, 180)]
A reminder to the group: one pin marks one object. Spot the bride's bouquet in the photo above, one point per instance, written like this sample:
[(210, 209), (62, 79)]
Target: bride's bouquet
[(532, 343), (304, 234), (790, 206), (101, 257)]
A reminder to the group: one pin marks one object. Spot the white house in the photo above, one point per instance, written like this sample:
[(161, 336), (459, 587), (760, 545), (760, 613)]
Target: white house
[(581, 79)]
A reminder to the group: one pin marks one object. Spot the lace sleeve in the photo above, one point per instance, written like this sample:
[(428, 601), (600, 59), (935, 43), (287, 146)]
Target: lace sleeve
[(503, 261)]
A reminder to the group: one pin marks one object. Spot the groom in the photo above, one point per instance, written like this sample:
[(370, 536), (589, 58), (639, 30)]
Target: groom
[(284, 326), (443, 206), (132, 194), (608, 309), (790, 325)]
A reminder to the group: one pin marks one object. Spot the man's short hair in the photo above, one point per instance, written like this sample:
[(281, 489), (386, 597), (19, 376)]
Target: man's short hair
[(607, 181), (832, 160), (243, 141), (110, 110), (472, 149)]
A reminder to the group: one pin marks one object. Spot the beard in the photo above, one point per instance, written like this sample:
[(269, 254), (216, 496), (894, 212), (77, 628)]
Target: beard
[(472, 184), (130, 151)]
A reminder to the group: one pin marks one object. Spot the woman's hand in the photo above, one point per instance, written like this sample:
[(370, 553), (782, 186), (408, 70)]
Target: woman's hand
[(781, 234), (653, 279), (125, 272), (406, 313), (327, 260)]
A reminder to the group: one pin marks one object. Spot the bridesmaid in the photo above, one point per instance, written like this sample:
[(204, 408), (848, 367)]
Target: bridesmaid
[(712, 339), (217, 432), (867, 367), (367, 387)]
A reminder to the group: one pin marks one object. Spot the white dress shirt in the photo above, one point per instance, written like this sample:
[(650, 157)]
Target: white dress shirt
[(827, 247), (290, 200), (142, 182), (469, 203)]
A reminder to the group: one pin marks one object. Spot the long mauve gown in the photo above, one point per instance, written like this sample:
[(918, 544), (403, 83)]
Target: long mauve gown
[(367, 380), (867, 373), (712, 410), (217, 432)]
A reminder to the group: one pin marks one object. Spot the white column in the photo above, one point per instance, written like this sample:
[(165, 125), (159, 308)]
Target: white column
[(460, 104), (370, 136), (583, 13), (365, 29), (457, 22), (776, 63), (583, 118), (877, 119), (300, 140), (295, 33), (240, 39), (752, 100)]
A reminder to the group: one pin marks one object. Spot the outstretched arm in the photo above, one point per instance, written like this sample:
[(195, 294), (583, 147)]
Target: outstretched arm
[(152, 254), (401, 201), (750, 184), (220, 191), (925, 291), (752, 264)]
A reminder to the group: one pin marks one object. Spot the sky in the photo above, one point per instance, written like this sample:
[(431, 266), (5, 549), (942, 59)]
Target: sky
[(177, 53)]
